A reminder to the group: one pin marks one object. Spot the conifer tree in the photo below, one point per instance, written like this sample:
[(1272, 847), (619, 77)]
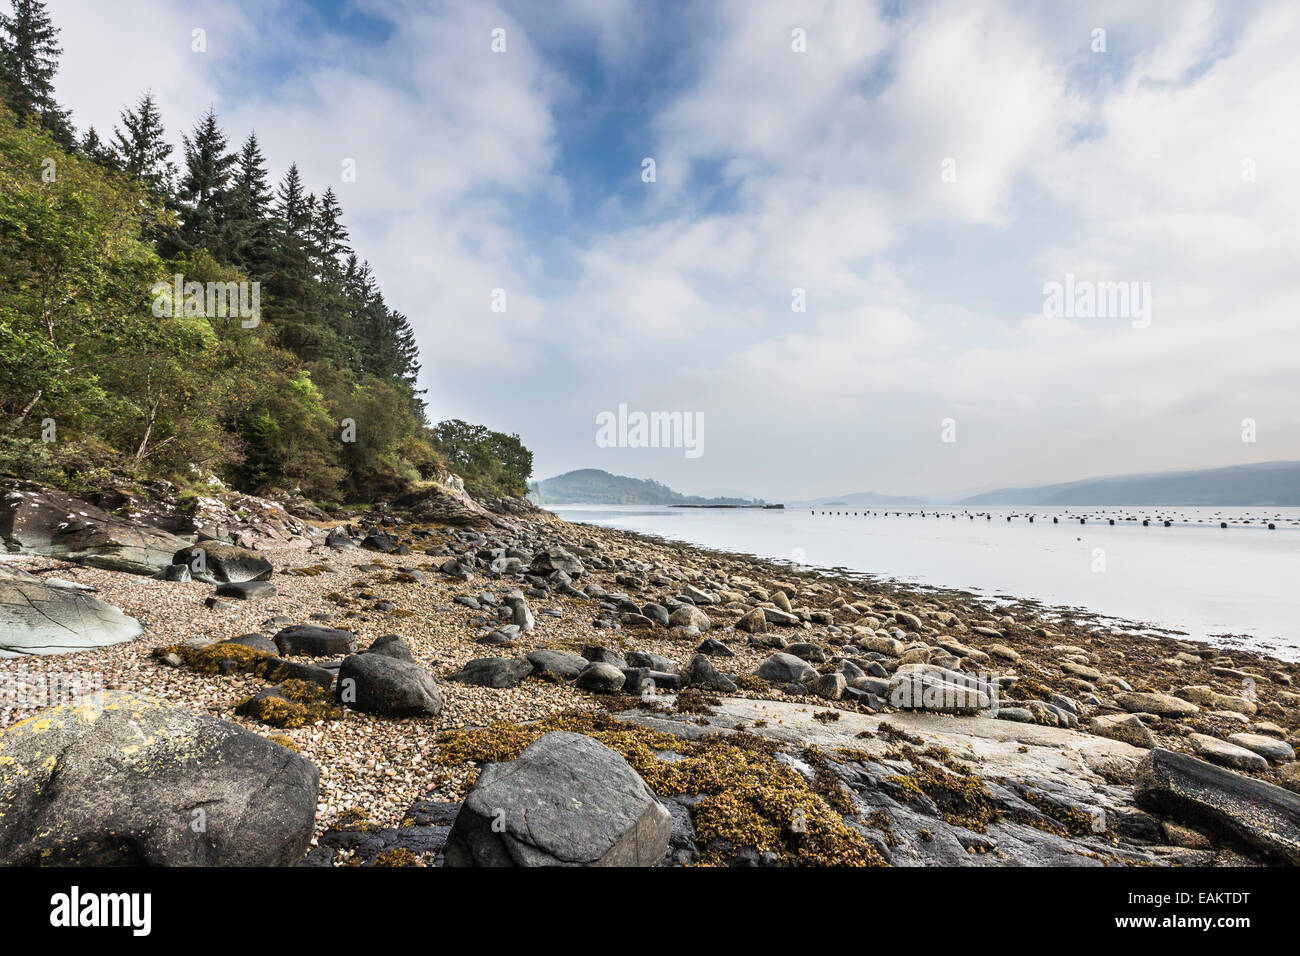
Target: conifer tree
[(29, 59), (142, 148), (204, 189), (251, 234)]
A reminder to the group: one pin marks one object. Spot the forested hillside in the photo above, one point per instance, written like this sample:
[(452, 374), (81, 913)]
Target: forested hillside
[(171, 312)]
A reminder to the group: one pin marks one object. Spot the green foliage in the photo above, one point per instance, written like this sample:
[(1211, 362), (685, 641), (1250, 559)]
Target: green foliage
[(104, 370), (490, 462)]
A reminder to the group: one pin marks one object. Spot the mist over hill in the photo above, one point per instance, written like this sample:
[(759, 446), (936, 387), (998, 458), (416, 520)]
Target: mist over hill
[(591, 486), (1270, 483)]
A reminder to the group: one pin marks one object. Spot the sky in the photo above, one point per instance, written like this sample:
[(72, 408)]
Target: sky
[(921, 176)]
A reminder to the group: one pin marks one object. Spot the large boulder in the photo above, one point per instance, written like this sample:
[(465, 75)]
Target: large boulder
[(124, 780), (39, 618), (39, 520), (567, 800), (1255, 814), (379, 684), (217, 562)]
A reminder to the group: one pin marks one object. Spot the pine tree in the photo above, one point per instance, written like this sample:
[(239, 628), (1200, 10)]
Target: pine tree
[(142, 148), (251, 234), (292, 282), (204, 191), (29, 58), (96, 150), (329, 235)]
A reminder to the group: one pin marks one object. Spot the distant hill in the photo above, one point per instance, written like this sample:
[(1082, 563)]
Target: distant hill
[(860, 499), (1270, 483), (591, 486)]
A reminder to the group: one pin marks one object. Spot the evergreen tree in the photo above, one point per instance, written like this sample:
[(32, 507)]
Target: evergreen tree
[(142, 148), (250, 228), (293, 273), (96, 150), (29, 58), (204, 191), (329, 235)]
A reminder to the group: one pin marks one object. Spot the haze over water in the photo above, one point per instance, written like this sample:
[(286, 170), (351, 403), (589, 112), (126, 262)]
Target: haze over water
[(1193, 576)]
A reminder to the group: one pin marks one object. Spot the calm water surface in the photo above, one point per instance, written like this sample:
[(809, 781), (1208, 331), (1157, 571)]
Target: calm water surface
[(1192, 576)]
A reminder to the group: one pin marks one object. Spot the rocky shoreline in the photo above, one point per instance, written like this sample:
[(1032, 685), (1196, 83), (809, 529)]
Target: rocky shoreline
[(432, 660)]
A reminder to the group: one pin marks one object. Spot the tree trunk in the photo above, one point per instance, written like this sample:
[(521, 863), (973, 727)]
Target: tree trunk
[(144, 442), (22, 416)]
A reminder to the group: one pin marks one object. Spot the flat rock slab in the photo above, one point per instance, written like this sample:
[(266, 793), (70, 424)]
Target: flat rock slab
[(120, 779), (1278, 751), (36, 618), (1225, 754), (40, 520), (1162, 705), (1259, 815), (999, 747), (567, 800)]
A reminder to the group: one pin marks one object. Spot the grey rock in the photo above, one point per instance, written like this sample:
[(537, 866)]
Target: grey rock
[(126, 782), (1228, 755), (782, 668), (601, 678), (217, 563), (39, 520), (564, 664), (247, 590), (1278, 751), (311, 640), (567, 800), (1258, 815), (714, 648), (392, 645), (700, 672), (36, 618), (495, 672), (556, 559), (389, 686)]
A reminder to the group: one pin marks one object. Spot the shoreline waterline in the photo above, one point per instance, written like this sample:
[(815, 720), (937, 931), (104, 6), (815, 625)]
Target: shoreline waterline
[(1196, 582)]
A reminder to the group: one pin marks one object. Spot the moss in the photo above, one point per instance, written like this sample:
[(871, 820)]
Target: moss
[(692, 700), (294, 703), (222, 658), (352, 818), (754, 684), (397, 856), (891, 734), (1071, 821), (827, 716), (879, 820), (748, 798), (960, 796), (308, 572), (286, 742)]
